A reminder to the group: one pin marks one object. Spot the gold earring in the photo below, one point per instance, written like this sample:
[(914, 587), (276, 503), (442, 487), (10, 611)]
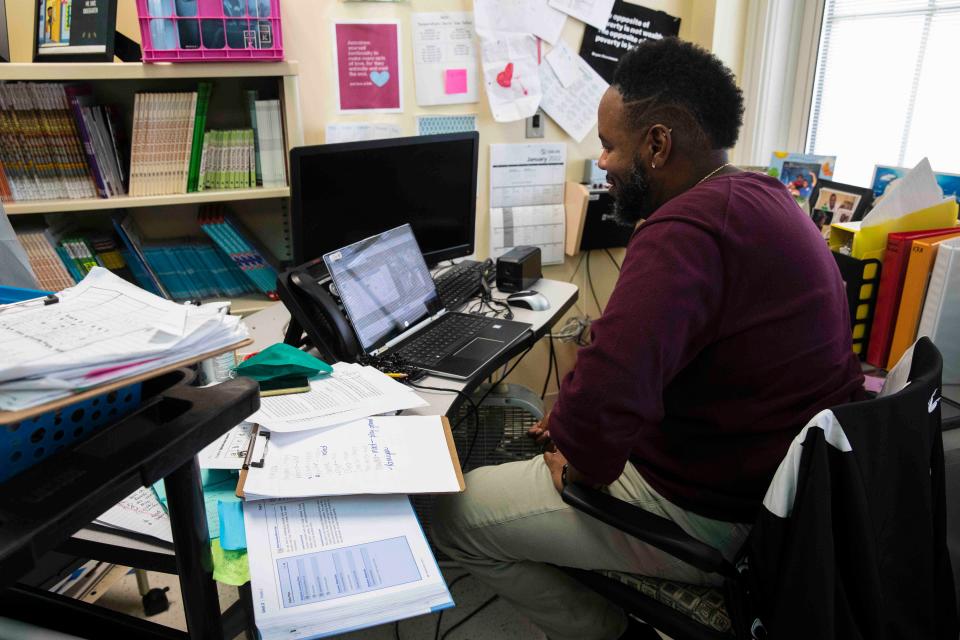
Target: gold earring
[(653, 165)]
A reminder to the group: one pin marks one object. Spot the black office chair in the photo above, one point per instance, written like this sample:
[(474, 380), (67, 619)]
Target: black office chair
[(692, 612)]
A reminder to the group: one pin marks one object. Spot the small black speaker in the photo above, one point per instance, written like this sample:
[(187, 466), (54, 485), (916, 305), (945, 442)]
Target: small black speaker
[(518, 268)]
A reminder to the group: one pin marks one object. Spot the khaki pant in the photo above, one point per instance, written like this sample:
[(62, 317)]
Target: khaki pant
[(510, 527)]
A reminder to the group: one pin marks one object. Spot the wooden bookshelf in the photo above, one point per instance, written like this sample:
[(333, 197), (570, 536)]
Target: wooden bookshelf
[(27, 207), (265, 210)]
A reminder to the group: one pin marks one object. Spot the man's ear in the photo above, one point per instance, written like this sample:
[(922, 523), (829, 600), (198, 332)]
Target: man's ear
[(660, 143)]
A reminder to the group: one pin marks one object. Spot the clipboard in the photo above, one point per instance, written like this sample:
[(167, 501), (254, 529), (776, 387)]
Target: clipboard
[(260, 441)]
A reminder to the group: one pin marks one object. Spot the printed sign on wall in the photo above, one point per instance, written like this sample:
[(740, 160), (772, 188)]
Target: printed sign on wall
[(368, 66)]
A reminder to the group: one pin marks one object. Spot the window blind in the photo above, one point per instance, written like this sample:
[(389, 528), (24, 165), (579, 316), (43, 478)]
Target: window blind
[(886, 89)]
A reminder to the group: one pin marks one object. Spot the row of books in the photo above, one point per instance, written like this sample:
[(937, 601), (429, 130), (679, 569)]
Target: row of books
[(228, 160), (271, 149), (167, 132), (103, 141), (919, 295), (41, 155), (252, 258)]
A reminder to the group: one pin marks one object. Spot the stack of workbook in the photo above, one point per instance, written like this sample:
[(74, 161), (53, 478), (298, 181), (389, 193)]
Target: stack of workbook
[(228, 160), (100, 331), (167, 141), (332, 540)]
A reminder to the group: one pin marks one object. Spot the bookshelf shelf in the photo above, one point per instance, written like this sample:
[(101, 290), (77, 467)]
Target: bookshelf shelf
[(30, 207), (59, 71)]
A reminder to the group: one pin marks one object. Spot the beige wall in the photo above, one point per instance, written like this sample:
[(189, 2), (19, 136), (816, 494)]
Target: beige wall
[(715, 24)]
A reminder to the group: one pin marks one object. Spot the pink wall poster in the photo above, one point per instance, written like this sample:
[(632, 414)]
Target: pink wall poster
[(368, 66)]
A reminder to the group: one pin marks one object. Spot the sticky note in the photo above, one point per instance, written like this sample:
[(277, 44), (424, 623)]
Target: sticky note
[(455, 81), (229, 567)]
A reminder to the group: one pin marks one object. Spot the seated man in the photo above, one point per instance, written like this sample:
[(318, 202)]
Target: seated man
[(727, 330)]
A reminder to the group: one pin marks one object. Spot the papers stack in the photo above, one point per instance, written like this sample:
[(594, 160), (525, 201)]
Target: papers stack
[(102, 330), (326, 565)]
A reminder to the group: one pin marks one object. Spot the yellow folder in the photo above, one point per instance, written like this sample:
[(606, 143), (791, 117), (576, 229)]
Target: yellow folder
[(871, 242)]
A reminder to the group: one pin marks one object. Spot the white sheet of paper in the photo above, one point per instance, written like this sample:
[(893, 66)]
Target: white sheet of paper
[(538, 226), (139, 512), (302, 557), (535, 17), (229, 450), (349, 393), (898, 377), (563, 61), (593, 12), (574, 108), (355, 131), (510, 75), (395, 454), (442, 43)]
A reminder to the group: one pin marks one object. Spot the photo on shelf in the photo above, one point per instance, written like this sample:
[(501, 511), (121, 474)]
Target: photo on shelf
[(885, 175), (800, 172), (74, 30), (832, 202)]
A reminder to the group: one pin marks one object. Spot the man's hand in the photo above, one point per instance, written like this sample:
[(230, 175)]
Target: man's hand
[(540, 434), (555, 461)]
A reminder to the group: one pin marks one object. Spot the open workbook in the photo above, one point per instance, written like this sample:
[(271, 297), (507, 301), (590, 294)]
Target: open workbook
[(321, 566)]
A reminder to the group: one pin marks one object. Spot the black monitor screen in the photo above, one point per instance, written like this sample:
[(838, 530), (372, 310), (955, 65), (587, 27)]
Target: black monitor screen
[(342, 193)]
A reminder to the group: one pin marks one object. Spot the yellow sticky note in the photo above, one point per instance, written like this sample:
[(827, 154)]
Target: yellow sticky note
[(229, 567)]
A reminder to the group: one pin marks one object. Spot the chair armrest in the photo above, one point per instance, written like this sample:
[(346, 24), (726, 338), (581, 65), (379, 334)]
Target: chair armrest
[(648, 527)]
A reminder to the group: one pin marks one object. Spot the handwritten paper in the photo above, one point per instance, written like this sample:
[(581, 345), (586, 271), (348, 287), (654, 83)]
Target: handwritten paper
[(526, 198), (510, 74), (350, 392), (535, 17), (574, 108), (444, 58), (397, 454), (563, 61), (594, 12), (140, 512), (354, 131), (368, 66)]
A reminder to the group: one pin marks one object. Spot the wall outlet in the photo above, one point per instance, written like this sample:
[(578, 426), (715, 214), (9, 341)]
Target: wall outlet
[(535, 124)]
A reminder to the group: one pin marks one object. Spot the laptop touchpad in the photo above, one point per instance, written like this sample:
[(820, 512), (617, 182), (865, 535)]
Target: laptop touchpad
[(479, 349)]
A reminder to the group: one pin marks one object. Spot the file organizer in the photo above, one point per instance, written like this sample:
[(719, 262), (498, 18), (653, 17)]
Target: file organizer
[(210, 30), (862, 280)]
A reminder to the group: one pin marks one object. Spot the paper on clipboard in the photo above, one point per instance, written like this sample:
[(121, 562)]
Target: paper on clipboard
[(377, 455)]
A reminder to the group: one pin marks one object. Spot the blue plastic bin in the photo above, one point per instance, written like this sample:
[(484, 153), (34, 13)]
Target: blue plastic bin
[(16, 294)]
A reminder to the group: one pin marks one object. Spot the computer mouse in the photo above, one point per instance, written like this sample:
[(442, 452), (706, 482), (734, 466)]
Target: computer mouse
[(532, 300)]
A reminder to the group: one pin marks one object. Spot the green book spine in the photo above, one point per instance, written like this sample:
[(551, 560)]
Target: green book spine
[(199, 124)]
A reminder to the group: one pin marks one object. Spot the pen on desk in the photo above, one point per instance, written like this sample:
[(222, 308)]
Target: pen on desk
[(35, 302), (396, 376)]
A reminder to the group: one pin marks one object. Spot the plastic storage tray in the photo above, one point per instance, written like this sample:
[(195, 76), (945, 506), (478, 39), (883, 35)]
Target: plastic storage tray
[(16, 294), (210, 30)]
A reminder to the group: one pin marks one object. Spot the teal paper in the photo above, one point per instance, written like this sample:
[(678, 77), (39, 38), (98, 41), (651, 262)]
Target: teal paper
[(233, 534), (219, 485)]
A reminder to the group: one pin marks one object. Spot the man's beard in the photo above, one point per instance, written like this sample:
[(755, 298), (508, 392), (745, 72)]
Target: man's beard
[(631, 200)]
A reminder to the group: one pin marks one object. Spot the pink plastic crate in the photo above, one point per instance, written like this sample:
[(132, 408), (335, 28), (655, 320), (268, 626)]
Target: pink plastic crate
[(210, 30)]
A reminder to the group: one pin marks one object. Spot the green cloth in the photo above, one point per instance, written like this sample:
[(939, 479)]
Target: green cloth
[(280, 361), (229, 567)]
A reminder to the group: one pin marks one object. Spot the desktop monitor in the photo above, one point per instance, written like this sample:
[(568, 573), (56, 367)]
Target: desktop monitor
[(342, 193)]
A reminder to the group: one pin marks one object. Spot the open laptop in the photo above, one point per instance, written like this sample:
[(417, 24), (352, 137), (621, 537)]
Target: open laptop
[(392, 303)]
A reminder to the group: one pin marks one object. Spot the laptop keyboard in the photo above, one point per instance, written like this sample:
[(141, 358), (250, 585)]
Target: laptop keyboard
[(441, 338)]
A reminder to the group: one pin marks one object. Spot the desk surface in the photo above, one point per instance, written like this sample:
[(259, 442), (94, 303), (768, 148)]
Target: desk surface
[(267, 327)]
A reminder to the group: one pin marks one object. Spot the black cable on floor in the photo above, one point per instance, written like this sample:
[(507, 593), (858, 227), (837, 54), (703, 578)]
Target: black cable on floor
[(436, 631), (483, 606), (593, 291), (546, 382), (613, 260), (556, 365), (575, 271)]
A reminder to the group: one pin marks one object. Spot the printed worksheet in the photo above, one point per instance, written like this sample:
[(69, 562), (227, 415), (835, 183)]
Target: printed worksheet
[(526, 198), (594, 12), (322, 565), (536, 17), (444, 58), (573, 107), (229, 450), (377, 455)]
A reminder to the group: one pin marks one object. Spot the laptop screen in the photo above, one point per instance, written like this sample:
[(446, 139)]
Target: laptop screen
[(384, 284)]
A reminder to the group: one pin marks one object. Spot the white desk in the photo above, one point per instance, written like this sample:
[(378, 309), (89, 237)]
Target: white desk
[(268, 327)]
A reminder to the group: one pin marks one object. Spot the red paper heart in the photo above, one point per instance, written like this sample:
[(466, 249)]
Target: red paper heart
[(505, 77)]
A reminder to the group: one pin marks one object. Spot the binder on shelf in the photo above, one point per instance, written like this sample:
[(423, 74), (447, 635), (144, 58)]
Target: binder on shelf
[(861, 278), (940, 320), (871, 242)]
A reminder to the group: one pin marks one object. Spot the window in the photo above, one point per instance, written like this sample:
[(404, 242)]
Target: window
[(886, 89)]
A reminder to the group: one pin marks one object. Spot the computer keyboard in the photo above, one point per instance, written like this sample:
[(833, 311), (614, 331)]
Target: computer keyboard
[(436, 342), (459, 283)]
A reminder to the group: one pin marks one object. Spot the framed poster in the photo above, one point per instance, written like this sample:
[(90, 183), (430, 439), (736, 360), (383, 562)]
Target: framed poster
[(832, 202), (74, 30)]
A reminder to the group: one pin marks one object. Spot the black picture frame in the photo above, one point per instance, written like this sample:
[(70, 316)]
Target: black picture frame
[(103, 23), (860, 197)]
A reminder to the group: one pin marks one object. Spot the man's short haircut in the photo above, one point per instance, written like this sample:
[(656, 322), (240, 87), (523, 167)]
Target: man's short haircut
[(672, 81)]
